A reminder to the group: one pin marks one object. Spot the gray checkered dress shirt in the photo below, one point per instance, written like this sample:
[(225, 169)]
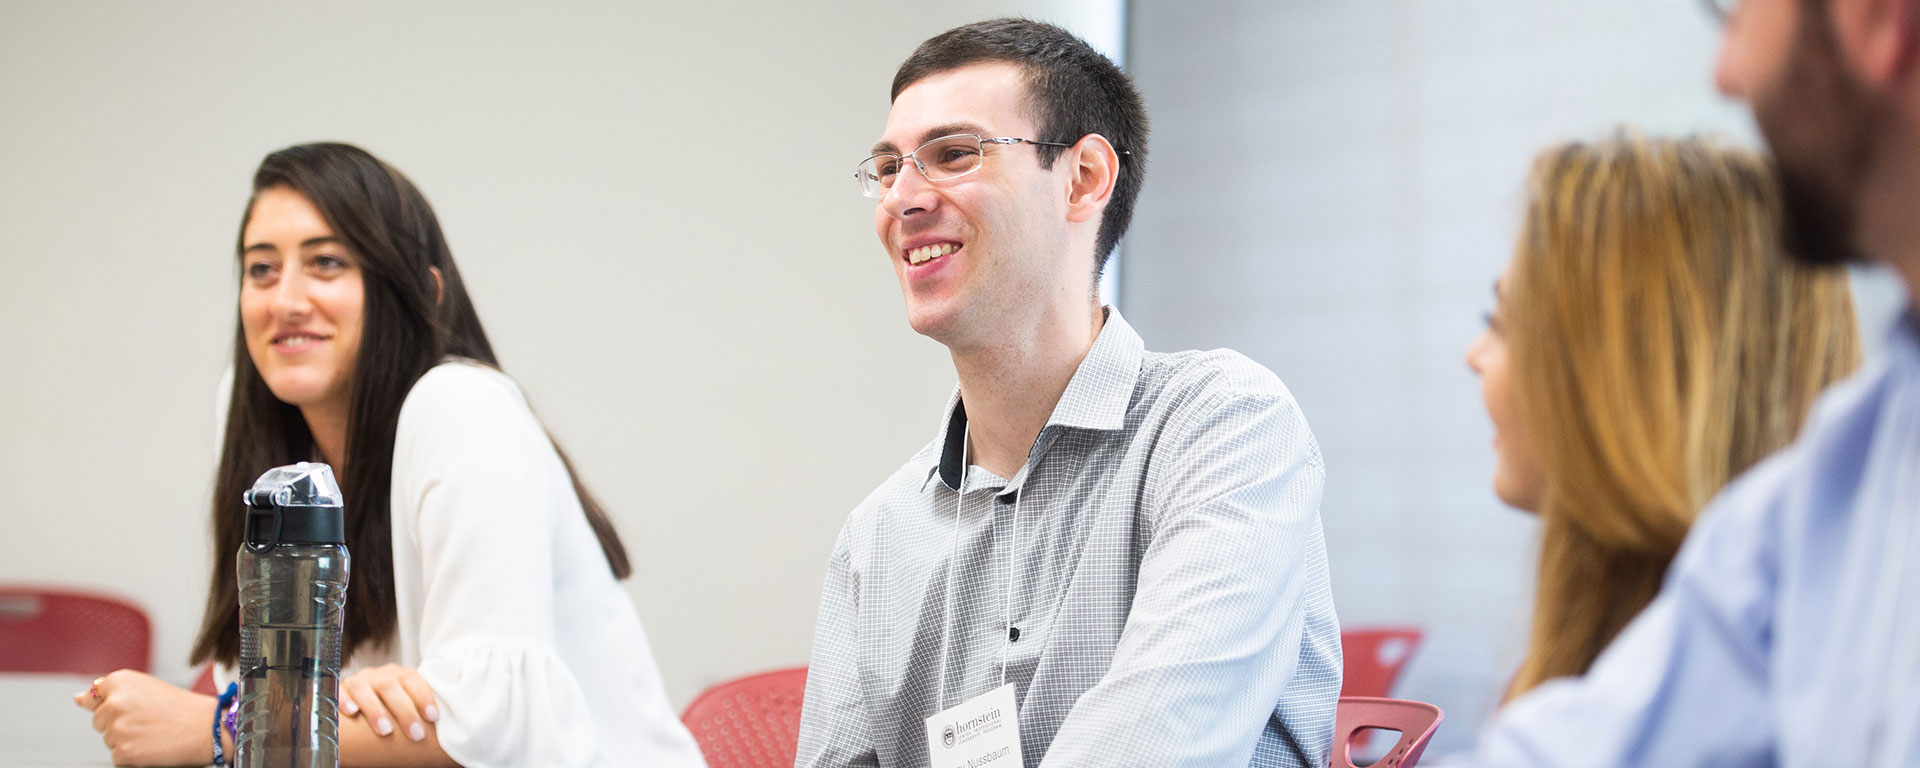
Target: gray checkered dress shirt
[(1170, 602)]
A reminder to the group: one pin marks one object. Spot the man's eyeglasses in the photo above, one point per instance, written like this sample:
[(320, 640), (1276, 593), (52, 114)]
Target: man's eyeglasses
[(943, 159), (1720, 10)]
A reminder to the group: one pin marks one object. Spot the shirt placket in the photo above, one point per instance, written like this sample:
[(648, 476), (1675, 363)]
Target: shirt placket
[(1022, 514)]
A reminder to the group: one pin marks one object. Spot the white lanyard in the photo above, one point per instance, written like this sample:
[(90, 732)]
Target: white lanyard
[(953, 564)]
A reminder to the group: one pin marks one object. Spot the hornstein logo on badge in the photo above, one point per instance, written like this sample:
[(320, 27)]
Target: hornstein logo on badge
[(946, 736), (966, 728)]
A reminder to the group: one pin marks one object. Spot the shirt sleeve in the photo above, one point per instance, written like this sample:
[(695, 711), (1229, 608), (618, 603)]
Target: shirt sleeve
[(1218, 616), (834, 731), (475, 497), (1686, 683)]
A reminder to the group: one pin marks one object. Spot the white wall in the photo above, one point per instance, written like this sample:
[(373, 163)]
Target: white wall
[(652, 205), (1334, 187)]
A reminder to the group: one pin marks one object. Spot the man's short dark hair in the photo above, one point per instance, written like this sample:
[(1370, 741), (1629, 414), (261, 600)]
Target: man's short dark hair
[(1072, 91)]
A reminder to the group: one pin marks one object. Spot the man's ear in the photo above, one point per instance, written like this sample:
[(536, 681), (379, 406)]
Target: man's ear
[(439, 287), (1096, 167), (1879, 38)]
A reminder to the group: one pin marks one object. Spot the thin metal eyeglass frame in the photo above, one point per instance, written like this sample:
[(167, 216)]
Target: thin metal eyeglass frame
[(1720, 10), (880, 190)]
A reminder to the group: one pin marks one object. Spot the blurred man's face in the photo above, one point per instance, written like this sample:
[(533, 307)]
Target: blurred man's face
[(1781, 57)]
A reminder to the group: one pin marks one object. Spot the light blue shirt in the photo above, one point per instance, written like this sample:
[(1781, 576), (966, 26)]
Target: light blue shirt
[(1788, 631), (1152, 582)]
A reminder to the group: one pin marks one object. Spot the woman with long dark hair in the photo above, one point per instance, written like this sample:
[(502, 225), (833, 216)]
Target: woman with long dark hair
[(485, 624)]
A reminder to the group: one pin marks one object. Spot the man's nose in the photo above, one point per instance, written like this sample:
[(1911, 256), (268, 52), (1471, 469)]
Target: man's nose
[(911, 192), (1728, 75)]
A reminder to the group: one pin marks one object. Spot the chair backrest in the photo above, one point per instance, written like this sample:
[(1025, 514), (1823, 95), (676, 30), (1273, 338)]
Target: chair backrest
[(203, 682), (71, 632), (751, 722), (1374, 657), (1416, 721)]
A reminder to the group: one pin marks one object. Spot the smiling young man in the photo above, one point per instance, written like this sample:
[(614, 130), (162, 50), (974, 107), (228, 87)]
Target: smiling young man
[(1788, 630), (1106, 556)]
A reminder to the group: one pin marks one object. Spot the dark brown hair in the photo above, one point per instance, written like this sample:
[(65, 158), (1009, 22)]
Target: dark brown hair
[(410, 325), (1072, 91)]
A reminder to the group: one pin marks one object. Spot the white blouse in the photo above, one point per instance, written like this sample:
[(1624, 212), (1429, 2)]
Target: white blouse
[(506, 603)]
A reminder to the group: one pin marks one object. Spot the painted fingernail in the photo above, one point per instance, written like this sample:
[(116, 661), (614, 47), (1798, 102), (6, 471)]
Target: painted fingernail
[(433, 714), (383, 727), (349, 707), (418, 732)]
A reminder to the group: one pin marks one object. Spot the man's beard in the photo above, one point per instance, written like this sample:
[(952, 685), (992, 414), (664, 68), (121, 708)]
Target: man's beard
[(1818, 120)]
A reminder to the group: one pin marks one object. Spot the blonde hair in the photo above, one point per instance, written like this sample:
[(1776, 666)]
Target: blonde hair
[(1660, 342)]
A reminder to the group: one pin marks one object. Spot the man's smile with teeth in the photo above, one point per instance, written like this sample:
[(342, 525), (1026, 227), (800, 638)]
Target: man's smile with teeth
[(929, 252)]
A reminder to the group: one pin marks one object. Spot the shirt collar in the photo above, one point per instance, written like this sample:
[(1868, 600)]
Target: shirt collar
[(1903, 342), (1096, 398)]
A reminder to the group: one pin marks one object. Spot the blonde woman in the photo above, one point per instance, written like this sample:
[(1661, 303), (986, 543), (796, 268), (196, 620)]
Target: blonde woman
[(1650, 341)]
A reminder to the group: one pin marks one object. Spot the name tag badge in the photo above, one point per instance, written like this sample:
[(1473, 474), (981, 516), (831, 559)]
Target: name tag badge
[(981, 732)]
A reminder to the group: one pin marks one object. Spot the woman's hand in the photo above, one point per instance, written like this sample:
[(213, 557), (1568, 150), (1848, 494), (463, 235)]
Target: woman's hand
[(390, 694), (147, 721)]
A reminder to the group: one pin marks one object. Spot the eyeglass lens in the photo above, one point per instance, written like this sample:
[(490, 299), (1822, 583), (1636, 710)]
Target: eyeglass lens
[(941, 159)]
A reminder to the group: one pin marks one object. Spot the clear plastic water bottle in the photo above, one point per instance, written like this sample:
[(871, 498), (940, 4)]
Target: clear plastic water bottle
[(293, 597)]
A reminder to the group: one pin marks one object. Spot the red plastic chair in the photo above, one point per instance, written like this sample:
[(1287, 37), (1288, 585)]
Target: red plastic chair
[(70, 632), (1374, 658), (203, 683), (752, 722), (1358, 715)]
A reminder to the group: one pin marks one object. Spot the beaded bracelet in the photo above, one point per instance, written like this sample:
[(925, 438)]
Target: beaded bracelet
[(223, 711)]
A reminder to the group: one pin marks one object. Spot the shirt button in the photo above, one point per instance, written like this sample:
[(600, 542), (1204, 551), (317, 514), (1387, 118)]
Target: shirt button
[(1013, 634)]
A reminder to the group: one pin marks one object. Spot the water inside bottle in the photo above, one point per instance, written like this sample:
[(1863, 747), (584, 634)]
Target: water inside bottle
[(290, 658)]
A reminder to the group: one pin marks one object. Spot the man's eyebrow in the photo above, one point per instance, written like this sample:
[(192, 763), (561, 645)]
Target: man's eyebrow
[(884, 147)]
